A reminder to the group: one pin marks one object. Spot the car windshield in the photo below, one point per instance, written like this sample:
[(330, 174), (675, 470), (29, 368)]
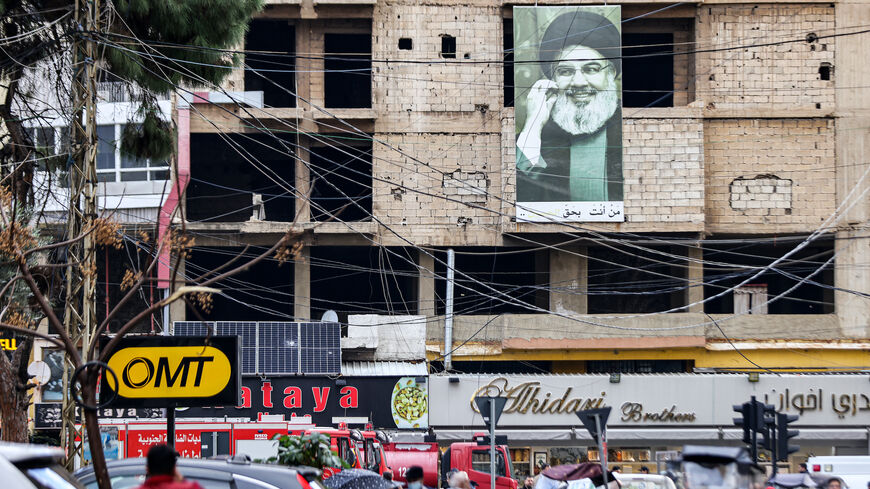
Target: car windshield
[(51, 478)]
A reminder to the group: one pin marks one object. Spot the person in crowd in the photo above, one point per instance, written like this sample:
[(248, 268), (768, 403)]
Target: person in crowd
[(388, 475), (529, 483), (414, 477), (834, 484), (616, 469), (162, 472), (459, 480), (803, 468), (644, 469)]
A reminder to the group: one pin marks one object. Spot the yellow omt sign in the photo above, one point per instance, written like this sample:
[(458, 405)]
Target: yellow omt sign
[(170, 371)]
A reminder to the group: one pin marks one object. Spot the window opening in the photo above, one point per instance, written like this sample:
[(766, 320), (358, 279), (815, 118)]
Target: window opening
[(348, 77), (448, 46), (648, 70), (406, 43), (341, 182), (277, 41)]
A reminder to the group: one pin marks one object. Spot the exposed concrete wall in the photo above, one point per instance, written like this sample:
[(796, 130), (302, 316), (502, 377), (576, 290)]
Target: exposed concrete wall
[(853, 144), (741, 150), (784, 76), (568, 280)]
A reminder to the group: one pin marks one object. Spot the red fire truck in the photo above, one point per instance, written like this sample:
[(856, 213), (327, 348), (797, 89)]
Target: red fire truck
[(466, 456)]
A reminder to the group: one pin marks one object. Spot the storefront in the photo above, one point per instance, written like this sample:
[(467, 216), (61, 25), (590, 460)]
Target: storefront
[(653, 415)]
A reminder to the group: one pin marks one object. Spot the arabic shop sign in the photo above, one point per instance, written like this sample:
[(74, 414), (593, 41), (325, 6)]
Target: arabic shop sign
[(652, 400), (181, 370)]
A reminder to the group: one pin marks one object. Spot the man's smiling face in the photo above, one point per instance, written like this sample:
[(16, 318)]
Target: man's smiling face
[(581, 72), (587, 95)]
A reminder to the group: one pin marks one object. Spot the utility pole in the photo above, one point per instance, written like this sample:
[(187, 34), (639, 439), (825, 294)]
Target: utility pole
[(80, 312)]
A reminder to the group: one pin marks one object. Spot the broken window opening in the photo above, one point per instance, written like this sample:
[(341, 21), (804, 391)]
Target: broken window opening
[(487, 283), (277, 39), (348, 64), (448, 46), (825, 71), (405, 43), (805, 299), (363, 280), (635, 281), (341, 182), (238, 177), (648, 80), (264, 292)]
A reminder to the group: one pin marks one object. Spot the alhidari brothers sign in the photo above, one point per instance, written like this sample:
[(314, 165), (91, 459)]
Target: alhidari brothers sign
[(651, 400)]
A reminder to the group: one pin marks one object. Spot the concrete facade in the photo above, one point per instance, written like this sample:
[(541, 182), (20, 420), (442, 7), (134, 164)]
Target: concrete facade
[(767, 136)]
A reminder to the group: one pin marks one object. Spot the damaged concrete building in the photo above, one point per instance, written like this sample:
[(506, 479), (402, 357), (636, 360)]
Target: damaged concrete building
[(385, 131)]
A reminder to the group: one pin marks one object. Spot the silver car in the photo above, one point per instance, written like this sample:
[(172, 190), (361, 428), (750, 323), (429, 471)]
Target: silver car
[(34, 467)]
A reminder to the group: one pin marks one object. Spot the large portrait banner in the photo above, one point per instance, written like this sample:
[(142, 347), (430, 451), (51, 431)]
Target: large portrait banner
[(567, 72)]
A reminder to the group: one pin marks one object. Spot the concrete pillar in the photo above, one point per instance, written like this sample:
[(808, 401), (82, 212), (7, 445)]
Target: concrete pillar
[(695, 279), (177, 310), (302, 285), (425, 284), (853, 117), (569, 270)]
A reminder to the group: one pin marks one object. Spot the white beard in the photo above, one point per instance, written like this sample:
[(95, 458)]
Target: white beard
[(586, 119)]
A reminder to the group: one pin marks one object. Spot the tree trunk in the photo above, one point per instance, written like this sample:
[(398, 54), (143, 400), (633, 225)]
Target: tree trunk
[(14, 398)]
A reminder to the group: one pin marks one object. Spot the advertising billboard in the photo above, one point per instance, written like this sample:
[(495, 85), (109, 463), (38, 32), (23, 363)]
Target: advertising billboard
[(161, 371), (567, 72), (386, 402)]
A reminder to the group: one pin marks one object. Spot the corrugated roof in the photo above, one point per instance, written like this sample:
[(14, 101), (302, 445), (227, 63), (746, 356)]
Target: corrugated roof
[(384, 369)]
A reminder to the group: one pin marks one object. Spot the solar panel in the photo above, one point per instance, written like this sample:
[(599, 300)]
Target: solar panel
[(278, 347), (320, 348)]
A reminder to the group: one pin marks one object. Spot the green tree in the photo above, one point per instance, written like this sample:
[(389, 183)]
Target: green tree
[(312, 449)]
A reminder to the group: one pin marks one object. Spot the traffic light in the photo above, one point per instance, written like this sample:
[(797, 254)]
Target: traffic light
[(745, 420), (783, 435), (768, 434)]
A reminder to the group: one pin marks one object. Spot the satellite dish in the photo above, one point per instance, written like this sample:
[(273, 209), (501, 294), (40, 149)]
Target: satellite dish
[(40, 370), (329, 316)]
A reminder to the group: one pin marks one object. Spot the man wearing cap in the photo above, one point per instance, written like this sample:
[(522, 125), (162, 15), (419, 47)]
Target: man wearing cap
[(570, 145), (162, 473)]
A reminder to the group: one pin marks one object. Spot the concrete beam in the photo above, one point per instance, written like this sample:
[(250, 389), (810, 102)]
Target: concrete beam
[(302, 285), (569, 280)]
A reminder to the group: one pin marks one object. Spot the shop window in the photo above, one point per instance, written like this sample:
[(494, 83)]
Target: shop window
[(348, 77), (237, 177), (480, 462), (276, 42), (648, 70), (487, 282), (814, 296), (341, 182)]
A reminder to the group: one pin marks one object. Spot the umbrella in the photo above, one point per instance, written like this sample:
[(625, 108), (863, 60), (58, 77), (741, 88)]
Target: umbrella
[(357, 479), (573, 472)]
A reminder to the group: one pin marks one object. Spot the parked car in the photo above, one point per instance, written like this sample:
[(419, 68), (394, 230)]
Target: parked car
[(644, 481), (227, 473), (34, 467)]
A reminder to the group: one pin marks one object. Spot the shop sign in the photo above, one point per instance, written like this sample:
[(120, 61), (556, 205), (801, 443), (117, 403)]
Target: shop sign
[(387, 402), (180, 370), (651, 400), (47, 414)]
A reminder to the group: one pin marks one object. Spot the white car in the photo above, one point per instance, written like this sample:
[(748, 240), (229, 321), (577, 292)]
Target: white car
[(34, 467), (644, 481)]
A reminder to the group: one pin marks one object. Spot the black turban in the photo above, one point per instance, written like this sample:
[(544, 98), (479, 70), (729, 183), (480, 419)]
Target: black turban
[(580, 28)]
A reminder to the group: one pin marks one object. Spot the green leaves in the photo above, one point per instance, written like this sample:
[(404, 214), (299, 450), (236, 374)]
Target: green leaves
[(311, 449), (153, 138), (148, 31)]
